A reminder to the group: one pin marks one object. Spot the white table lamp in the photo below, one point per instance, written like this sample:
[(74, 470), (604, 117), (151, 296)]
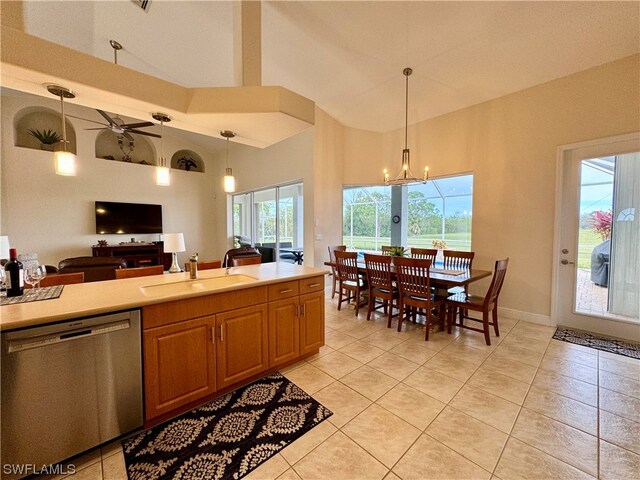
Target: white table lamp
[(4, 247), (174, 243)]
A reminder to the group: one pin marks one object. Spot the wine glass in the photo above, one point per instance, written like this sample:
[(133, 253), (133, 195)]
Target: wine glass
[(34, 274), (3, 282)]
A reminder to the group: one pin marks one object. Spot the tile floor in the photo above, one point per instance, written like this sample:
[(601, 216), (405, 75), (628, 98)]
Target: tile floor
[(452, 408)]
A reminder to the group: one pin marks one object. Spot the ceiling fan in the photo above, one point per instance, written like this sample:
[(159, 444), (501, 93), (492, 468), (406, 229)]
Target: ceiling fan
[(117, 126)]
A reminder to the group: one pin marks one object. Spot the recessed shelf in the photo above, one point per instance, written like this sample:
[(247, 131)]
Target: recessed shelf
[(187, 160), (42, 119)]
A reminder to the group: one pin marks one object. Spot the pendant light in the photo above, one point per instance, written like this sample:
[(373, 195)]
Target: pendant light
[(163, 172), (64, 161), (229, 179), (405, 176)]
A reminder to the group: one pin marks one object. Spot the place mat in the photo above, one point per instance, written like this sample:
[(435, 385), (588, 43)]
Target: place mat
[(34, 295), (611, 345), (444, 271), (225, 438)]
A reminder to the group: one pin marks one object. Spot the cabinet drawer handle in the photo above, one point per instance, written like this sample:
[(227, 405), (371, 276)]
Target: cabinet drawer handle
[(313, 285), (302, 310), (222, 333), (286, 291), (213, 334), (298, 311)]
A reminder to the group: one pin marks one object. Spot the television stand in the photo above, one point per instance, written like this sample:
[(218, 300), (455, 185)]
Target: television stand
[(139, 255)]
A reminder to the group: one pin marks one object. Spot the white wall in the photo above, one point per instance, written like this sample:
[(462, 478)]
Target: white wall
[(53, 216)]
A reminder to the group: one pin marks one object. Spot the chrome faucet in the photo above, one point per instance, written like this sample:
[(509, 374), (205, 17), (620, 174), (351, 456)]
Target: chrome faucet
[(226, 272), (193, 266)]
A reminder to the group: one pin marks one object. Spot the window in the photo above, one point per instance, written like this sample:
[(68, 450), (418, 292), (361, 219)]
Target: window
[(438, 210)]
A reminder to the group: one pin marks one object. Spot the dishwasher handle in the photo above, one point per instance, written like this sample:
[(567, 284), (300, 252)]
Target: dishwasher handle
[(38, 341)]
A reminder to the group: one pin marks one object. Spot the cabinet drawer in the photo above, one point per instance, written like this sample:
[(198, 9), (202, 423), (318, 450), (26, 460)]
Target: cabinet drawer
[(278, 291), (313, 284)]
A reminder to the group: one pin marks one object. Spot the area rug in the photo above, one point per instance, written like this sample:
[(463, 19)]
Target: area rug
[(226, 438), (606, 344)]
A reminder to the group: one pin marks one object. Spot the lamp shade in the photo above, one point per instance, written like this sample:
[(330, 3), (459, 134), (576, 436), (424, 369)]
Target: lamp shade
[(173, 242), (65, 163), (163, 176), (4, 247)]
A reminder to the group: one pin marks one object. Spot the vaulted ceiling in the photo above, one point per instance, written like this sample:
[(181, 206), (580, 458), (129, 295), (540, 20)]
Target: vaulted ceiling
[(348, 56)]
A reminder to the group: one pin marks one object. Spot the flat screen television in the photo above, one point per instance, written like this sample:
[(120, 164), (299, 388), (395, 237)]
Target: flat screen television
[(116, 217)]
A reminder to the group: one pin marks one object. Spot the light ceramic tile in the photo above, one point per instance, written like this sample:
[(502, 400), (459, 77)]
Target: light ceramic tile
[(535, 331), (576, 414), (511, 368), (472, 355), (385, 339), (571, 369), (337, 339), (111, 448), (566, 443), (451, 366), (572, 355), (556, 345), (620, 367), (392, 476), (362, 329), (476, 340), (307, 442), (620, 384), (437, 340), (514, 340), (623, 405), (620, 431), (413, 406), (475, 440), (324, 350), (289, 474), (617, 357), (382, 434), (486, 407), (498, 384), (340, 457), (309, 378), (363, 352), (567, 386), (416, 352), (292, 367), (344, 402), (520, 461), (429, 459), (91, 472), (519, 354), (269, 470), (617, 463), (369, 382), (393, 365), (114, 467), (436, 385), (336, 364)]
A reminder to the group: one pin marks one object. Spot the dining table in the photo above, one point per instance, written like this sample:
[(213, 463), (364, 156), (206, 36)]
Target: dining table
[(297, 252)]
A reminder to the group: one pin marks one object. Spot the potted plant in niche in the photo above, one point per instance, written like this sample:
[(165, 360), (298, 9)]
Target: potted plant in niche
[(187, 163), (47, 138)]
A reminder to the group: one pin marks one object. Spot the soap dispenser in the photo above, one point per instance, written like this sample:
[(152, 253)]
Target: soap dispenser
[(193, 266)]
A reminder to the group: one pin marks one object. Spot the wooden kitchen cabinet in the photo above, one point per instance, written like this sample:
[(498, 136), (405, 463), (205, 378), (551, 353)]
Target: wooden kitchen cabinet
[(284, 331), (242, 344), (311, 322), (179, 364)]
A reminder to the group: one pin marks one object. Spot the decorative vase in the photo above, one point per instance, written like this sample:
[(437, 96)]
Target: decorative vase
[(46, 146)]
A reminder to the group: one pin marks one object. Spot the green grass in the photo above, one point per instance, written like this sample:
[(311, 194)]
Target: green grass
[(587, 240), (455, 241)]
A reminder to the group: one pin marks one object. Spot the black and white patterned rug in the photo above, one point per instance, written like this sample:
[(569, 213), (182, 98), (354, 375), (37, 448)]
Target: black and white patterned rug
[(226, 438), (606, 344)]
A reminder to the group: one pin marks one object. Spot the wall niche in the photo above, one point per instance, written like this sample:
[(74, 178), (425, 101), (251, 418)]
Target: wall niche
[(187, 160), (112, 146), (41, 119)]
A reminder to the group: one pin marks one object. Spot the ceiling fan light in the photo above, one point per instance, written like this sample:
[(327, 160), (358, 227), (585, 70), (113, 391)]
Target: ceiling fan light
[(65, 163), (163, 176), (229, 182)]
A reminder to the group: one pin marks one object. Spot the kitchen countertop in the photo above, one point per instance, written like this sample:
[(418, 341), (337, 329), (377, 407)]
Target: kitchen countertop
[(94, 298)]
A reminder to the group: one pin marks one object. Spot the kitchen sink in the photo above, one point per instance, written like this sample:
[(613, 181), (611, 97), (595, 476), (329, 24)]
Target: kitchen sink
[(194, 286)]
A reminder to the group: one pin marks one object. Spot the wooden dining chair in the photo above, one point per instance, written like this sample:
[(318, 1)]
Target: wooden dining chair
[(489, 303), (60, 279), (349, 280), (334, 273), (240, 261), (380, 284), (139, 272), (458, 260), (205, 265), (428, 253), (415, 290)]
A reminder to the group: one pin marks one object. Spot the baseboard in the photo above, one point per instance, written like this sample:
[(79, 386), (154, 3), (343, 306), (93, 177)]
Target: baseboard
[(526, 316)]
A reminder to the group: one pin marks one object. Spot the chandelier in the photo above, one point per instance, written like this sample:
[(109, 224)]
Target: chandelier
[(405, 176)]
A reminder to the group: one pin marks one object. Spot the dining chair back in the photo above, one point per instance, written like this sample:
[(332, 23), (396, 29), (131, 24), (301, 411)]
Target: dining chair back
[(334, 273), (60, 279), (463, 302), (139, 272), (415, 290), (349, 280), (428, 253), (380, 284), (457, 260), (240, 261), (205, 265)]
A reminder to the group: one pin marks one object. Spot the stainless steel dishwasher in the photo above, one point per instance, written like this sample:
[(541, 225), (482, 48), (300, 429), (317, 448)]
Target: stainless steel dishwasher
[(69, 387)]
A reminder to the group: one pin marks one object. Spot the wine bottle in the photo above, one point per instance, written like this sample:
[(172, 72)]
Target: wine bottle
[(15, 275)]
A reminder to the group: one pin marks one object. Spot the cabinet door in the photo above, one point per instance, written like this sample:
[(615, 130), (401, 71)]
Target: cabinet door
[(311, 322), (284, 333), (242, 344), (179, 364)]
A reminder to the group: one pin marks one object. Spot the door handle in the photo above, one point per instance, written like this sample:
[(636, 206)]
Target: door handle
[(213, 334), (222, 332), (302, 310), (564, 261)]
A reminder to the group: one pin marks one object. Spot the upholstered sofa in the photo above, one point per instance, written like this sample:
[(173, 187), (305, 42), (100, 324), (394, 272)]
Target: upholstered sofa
[(95, 269)]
